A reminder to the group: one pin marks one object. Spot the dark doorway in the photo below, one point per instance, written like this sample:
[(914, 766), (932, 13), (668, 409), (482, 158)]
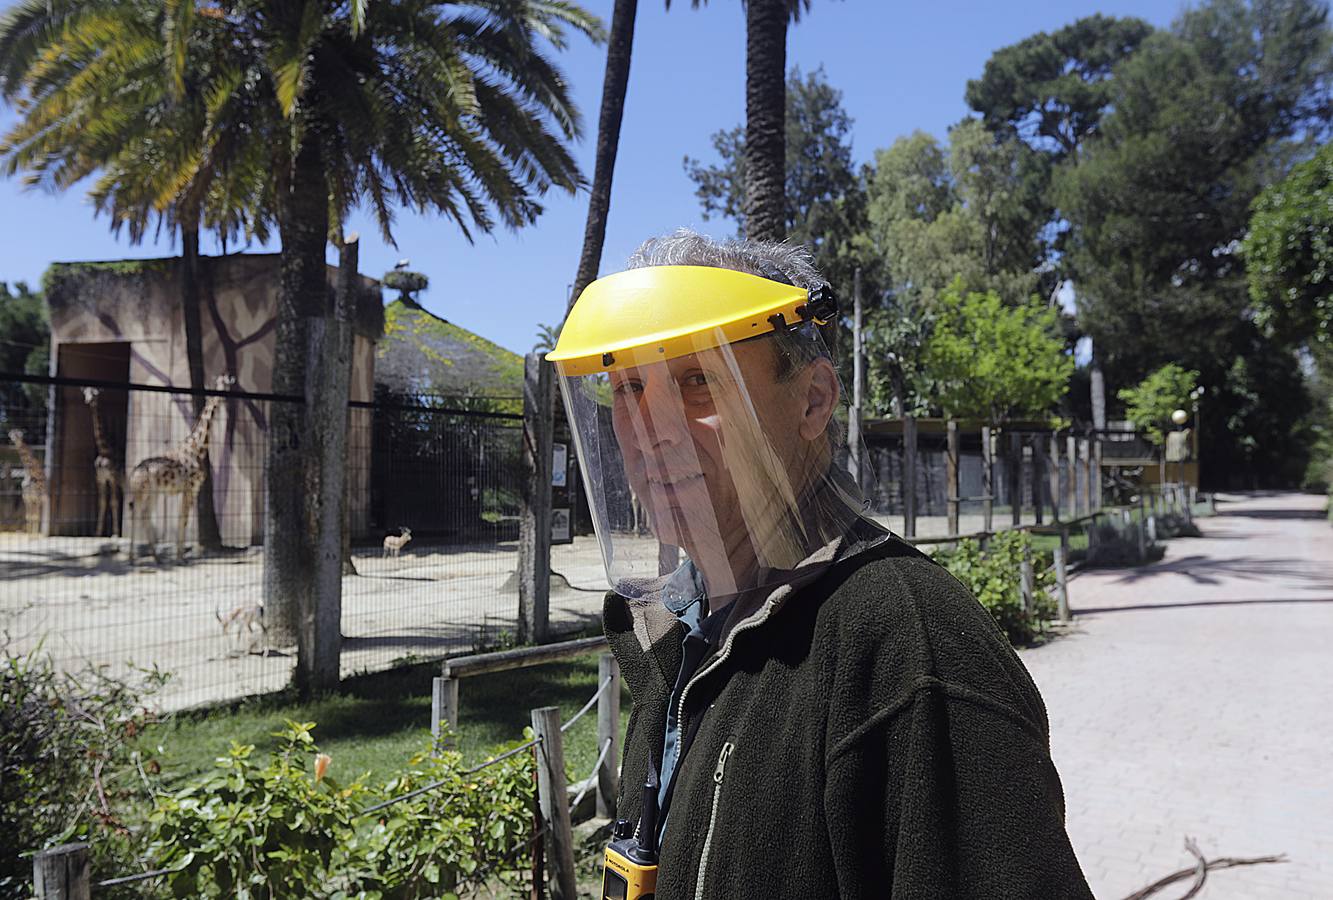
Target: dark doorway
[(74, 496)]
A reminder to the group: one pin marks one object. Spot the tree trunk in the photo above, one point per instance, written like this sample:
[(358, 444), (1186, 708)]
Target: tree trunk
[(765, 119), (290, 475), (614, 87), (205, 516)]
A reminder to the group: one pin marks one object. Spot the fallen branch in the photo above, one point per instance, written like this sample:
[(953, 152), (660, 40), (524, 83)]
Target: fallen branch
[(1200, 871)]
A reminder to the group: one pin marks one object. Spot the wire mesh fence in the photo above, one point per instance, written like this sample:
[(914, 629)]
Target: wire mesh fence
[(132, 524)]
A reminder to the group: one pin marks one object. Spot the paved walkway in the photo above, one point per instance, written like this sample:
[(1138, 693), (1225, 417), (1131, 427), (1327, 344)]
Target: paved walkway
[(1195, 697)]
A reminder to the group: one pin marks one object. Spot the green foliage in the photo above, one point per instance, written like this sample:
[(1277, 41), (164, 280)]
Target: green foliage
[(1053, 89), (1289, 253), (996, 362), (67, 764), (25, 339), (994, 576), (1150, 403), (1160, 199), (823, 197), (287, 827)]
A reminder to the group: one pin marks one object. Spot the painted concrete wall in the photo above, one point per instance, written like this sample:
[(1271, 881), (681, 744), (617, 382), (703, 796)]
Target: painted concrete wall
[(97, 307)]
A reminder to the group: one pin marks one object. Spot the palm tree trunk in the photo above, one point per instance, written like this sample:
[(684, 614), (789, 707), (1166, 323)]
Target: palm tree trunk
[(765, 119), (614, 87), (205, 515), (290, 470)]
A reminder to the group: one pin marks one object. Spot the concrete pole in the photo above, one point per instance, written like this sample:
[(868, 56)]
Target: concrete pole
[(909, 476), (951, 474), (534, 546)]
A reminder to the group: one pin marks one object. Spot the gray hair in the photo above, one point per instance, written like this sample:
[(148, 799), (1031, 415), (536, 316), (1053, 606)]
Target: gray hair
[(792, 264)]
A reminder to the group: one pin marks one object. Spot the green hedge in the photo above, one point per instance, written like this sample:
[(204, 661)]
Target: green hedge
[(994, 576)]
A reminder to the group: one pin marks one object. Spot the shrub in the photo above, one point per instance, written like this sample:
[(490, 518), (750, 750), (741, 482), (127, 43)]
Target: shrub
[(287, 827), (994, 576), (66, 768)]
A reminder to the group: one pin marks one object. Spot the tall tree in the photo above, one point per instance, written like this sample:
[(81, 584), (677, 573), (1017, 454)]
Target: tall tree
[(1289, 254), (1052, 90), (25, 340), (615, 84), (765, 113), (823, 201)]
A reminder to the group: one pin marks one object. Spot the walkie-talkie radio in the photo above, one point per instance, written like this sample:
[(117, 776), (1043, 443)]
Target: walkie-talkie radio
[(630, 872)]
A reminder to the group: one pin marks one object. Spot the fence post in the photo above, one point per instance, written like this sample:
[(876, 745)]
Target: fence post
[(1085, 457), (1026, 580), (951, 474), (62, 873), (554, 802), (608, 729), (1038, 472), (1071, 453), (1054, 475), (444, 707), (1062, 578), (1014, 471), (987, 479), (1097, 500), (909, 476), (1140, 528), (534, 545)]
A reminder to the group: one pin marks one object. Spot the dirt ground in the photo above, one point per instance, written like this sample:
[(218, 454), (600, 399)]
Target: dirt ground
[(79, 600)]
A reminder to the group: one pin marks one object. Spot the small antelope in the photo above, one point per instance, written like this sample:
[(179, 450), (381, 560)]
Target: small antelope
[(247, 620), (393, 544)]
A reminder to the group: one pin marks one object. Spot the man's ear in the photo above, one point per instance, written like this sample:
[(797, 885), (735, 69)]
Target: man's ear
[(821, 398)]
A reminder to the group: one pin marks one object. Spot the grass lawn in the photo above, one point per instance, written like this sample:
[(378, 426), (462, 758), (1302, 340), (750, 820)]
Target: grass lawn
[(375, 723)]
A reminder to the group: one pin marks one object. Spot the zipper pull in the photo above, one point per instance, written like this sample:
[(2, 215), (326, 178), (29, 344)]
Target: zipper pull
[(720, 771)]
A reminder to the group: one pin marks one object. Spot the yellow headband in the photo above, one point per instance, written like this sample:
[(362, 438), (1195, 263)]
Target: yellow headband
[(663, 312)]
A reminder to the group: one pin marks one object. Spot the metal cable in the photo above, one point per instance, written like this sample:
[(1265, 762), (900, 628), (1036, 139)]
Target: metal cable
[(436, 784)]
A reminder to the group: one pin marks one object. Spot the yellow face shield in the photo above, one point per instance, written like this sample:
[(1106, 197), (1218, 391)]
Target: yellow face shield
[(707, 416)]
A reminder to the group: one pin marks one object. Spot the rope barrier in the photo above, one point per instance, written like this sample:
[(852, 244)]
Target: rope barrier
[(442, 782), (129, 879), (587, 706), (592, 777)]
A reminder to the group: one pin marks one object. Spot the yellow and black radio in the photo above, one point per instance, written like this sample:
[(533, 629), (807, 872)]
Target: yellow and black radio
[(630, 871)]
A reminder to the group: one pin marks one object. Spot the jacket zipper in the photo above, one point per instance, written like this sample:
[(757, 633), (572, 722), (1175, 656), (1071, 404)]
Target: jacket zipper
[(718, 774)]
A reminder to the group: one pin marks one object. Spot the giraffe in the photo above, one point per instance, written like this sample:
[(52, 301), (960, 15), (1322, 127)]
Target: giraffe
[(107, 467), (34, 483), (178, 472)]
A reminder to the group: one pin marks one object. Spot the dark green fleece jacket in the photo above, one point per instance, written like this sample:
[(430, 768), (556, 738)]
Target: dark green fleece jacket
[(867, 734)]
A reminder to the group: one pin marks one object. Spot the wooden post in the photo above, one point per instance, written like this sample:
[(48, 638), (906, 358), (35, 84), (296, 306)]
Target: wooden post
[(1085, 457), (554, 802), (1141, 534), (1054, 474), (987, 479), (1038, 476), (1062, 579), (1027, 581), (1071, 489), (608, 728), (909, 476), (1015, 472), (534, 546), (854, 437), (444, 708), (951, 474), (62, 873), (1097, 499)]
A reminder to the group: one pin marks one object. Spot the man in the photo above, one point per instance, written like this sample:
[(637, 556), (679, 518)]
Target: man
[(819, 709)]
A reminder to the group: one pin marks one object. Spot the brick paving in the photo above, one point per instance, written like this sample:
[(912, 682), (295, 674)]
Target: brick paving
[(1195, 697)]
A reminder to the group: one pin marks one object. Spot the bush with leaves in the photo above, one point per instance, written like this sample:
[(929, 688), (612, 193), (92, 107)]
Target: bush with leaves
[(995, 577), (287, 827), (67, 768)]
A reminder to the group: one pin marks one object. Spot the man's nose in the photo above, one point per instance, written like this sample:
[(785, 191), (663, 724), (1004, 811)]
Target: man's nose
[(661, 417)]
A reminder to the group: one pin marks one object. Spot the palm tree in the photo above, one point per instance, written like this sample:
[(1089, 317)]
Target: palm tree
[(431, 105), (619, 49), (158, 152), (766, 112)]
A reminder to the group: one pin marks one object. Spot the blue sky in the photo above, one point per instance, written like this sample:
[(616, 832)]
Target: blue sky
[(901, 66)]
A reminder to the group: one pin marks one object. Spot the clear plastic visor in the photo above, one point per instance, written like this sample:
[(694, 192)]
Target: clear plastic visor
[(726, 457)]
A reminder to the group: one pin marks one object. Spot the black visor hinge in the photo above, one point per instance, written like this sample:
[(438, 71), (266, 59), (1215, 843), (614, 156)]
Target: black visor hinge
[(822, 305)]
